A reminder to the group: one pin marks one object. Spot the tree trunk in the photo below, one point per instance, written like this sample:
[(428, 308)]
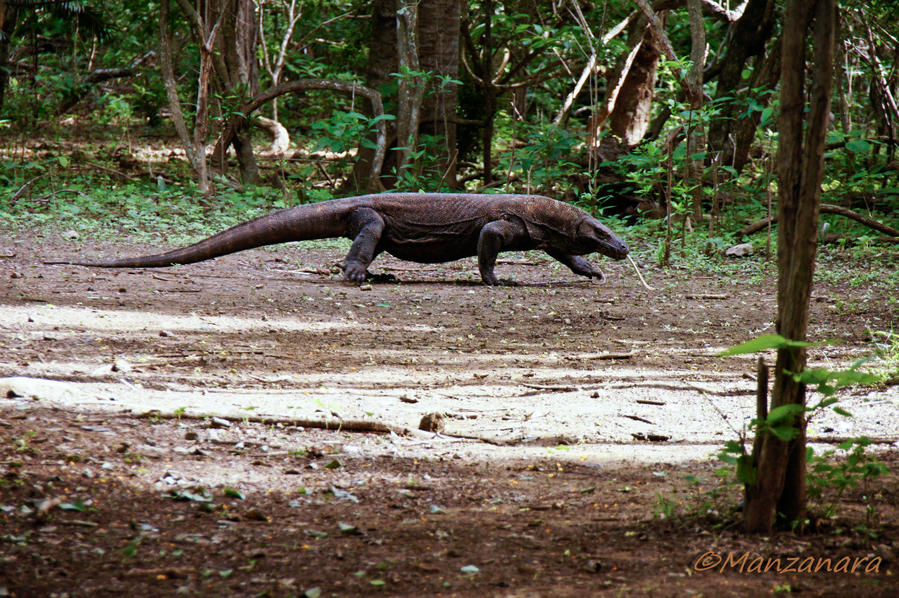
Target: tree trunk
[(238, 44), (630, 117), (196, 159), (438, 44), (764, 76), (437, 40), (747, 38), (410, 89), (382, 60), (779, 487), (8, 15), (693, 86)]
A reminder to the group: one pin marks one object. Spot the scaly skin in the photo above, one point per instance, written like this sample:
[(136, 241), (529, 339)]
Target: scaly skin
[(419, 227)]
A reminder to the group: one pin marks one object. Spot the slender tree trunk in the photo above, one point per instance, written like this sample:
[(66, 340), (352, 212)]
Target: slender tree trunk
[(693, 86), (747, 38), (764, 76), (779, 487), (8, 16), (382, 60), (630, 117), (439, 23), (411, 86), (239, 41), (196, 159), (490, 94), (436, 40)]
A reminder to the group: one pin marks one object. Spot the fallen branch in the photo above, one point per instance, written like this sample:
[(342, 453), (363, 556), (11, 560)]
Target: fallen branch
[(348, 425), (610, 356), (826, 209), (708, 296)]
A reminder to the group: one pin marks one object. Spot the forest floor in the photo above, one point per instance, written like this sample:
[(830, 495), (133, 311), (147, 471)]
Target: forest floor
[(250, 426)]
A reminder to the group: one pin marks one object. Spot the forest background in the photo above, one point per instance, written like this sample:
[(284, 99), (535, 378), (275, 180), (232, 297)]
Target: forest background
[(628, 109)]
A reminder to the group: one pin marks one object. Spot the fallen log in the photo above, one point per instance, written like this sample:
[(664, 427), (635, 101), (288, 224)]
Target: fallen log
[(826, 209)]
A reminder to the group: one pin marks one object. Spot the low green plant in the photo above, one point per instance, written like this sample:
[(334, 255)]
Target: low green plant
[(665, 508), (822, 473), (858, 468), (886, 349)]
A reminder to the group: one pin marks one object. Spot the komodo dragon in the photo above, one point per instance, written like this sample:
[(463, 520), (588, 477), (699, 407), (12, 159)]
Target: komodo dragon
[(419, 227)]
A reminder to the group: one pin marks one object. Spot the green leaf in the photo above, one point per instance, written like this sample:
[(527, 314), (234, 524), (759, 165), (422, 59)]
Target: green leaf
[(858, 146), (232, 493), (784, 433), (75, 505), (746, 473), (377, 582), (841, 411), (783, 412), (130, 549), (763, 343)]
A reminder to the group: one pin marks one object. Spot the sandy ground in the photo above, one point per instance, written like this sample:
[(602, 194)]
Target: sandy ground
[(612, 370), (567, 409)]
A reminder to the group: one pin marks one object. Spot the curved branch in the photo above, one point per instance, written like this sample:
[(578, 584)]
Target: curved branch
[(238, 120), (826, 209)]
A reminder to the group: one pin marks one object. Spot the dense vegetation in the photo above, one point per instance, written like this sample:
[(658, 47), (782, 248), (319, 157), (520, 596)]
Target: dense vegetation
[(84, 106)]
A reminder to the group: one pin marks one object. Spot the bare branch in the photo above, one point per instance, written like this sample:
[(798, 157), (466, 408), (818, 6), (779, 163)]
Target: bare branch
[(658, 29), (373, 96), (606, 108), (614, 31), (569, 100)]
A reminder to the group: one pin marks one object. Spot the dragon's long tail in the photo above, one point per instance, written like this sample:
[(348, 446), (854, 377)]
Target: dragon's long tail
[(300, 223)]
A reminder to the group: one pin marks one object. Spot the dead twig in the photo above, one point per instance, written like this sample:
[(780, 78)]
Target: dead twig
[(609, 356)]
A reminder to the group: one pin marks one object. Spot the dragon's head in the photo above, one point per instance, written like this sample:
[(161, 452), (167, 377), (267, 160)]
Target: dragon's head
[(593, 235)]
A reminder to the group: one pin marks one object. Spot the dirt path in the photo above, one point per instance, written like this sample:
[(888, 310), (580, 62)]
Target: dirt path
[(552, 361), (557, 373)]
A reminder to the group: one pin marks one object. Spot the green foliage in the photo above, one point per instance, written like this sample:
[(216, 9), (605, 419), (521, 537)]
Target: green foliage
[(32, 196), (829, 478), (781, 423), (708, 501), (827, 382), (763, 343), (545, 157), (886, 349)]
